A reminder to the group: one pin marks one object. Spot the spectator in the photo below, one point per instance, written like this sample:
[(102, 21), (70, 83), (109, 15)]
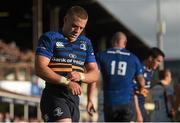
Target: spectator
[(1, 117), (8, 118), (177, 101), (162, 95)]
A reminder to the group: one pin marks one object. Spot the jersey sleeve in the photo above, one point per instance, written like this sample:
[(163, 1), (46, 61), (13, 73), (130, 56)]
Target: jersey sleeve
[(45, 46), (139, 70), (90, 53)]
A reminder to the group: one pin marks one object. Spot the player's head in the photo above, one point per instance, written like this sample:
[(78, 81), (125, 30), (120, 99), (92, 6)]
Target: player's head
[(119, 40), (155, 58), (165, 76), (74, 22)]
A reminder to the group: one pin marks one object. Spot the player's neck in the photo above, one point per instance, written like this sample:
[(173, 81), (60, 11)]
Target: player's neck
[(147, 65)]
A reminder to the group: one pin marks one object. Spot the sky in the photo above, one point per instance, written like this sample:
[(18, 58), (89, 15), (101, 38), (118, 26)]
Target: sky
[(140, 16)]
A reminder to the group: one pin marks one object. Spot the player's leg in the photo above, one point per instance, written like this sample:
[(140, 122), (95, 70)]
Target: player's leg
[(108, 114), (73, 104), (118, 113), (54, 108)]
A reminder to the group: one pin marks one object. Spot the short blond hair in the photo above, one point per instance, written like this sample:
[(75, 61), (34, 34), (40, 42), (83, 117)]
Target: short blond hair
[(77, 11)]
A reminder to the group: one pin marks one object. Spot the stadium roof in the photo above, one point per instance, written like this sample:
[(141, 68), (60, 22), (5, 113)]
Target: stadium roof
[(140, 16), (16, 22)]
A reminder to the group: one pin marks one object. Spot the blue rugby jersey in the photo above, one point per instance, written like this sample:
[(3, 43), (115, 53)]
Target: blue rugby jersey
[(65, 56), (148, 74), (118, 68)]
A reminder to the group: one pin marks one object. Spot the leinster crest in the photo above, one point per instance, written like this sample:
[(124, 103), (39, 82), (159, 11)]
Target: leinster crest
[(83, 46)]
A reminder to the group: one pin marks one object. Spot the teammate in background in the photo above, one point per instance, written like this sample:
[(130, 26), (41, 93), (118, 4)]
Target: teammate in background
[(177, 101), (162, 95), (60, 60), (153, 60), (119, 67)]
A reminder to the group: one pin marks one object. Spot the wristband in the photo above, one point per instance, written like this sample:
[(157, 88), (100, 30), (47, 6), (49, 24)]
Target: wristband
[(64, 80), (82, 76)]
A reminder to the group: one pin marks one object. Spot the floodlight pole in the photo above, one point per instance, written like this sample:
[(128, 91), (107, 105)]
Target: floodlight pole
[(37, 21), (161, 30)]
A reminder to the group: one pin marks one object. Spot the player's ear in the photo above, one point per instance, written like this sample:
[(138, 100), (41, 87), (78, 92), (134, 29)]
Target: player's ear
[(125, 42), (150, 58), (65, 19)]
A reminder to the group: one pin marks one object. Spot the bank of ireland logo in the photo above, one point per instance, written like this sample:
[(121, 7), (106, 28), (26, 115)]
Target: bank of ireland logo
[(59, 44), (73, 56), (83, 46)]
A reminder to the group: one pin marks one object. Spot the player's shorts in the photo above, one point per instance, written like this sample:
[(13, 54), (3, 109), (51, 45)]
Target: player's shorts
[(118, 113), (55, 107)]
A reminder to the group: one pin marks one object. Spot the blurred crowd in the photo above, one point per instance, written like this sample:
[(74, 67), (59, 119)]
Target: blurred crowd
[(10, 52), (13, 59), (15, 64), (5, 117)]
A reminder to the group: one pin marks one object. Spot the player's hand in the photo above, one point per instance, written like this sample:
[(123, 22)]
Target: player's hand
[(75, 88), (143, 91), (74, 76), (172, 114), (90, 108)]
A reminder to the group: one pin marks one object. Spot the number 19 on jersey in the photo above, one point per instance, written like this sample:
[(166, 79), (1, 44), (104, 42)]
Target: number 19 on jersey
[(122, 66)]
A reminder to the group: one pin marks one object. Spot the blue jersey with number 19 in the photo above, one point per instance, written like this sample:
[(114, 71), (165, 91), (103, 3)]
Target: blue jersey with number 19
[(118, 67)]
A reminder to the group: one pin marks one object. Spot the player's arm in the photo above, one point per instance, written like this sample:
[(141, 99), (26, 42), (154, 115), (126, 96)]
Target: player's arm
[(141, 80), (142, 90), (90, 92), (139, 76), (91, 75), (43, 71), (139, 117)]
